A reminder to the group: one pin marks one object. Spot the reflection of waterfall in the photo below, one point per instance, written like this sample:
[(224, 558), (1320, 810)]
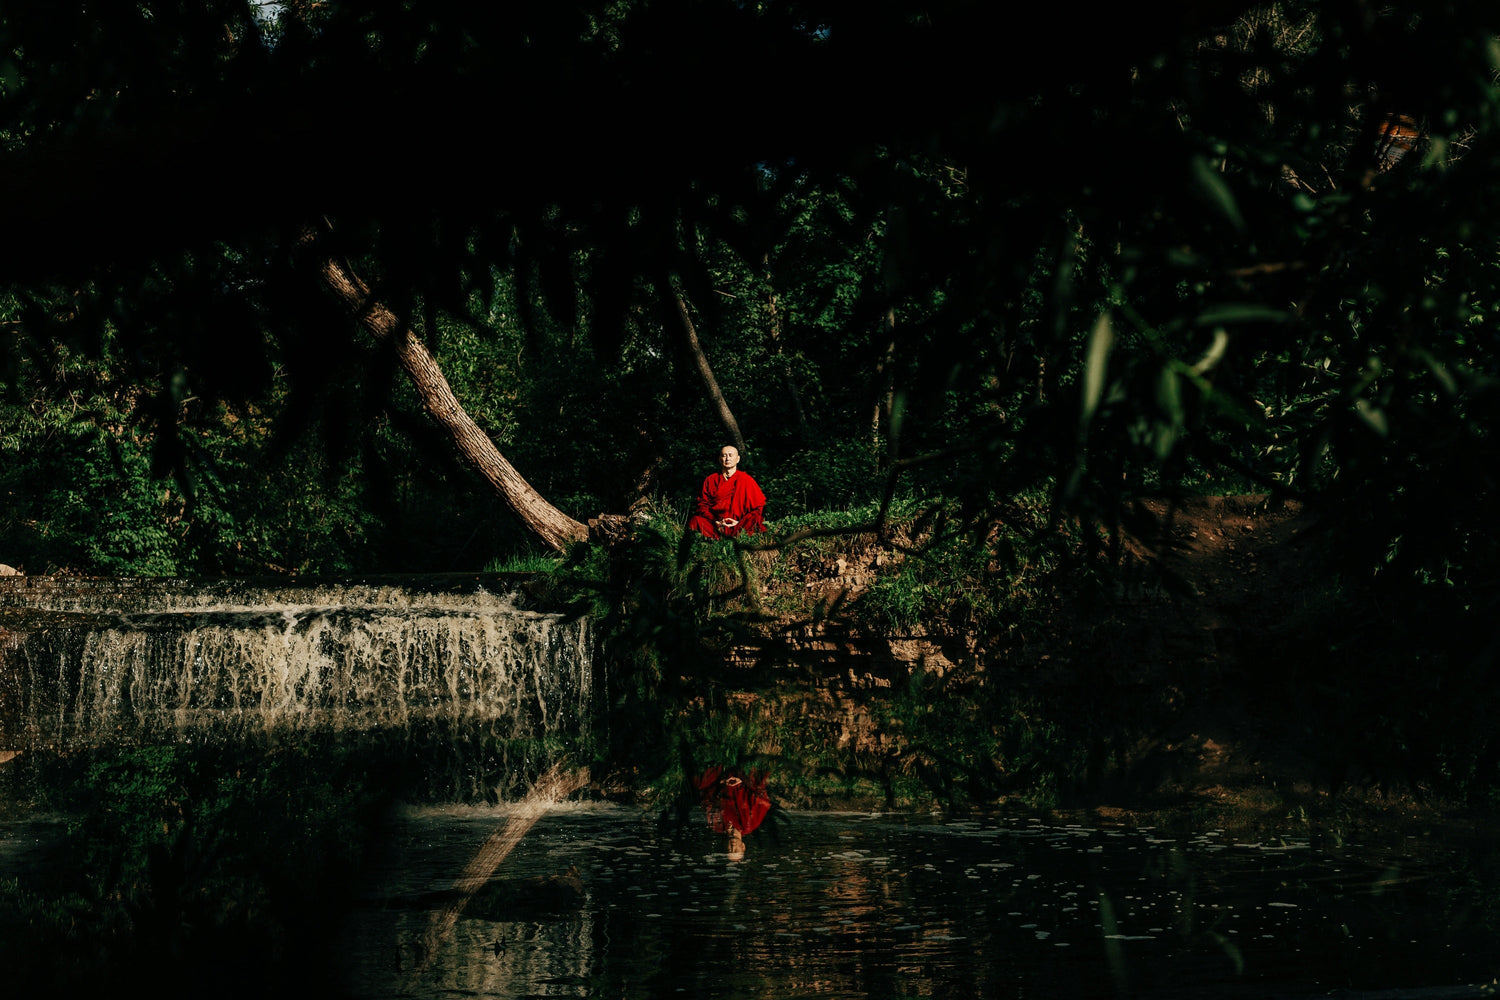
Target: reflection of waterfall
[(98, 661)]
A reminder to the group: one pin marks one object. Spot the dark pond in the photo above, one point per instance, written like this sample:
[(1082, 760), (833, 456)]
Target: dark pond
[(605, 901)]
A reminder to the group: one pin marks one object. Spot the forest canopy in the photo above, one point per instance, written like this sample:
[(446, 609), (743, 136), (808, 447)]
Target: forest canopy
[(1154, 249)]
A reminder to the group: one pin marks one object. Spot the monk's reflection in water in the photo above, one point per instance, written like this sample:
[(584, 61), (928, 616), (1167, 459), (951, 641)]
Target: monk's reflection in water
[(734, 803)]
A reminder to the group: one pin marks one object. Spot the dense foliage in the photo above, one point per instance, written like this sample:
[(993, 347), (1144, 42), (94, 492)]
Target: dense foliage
[(1159, 248), (1161, 252), (1166, 255)]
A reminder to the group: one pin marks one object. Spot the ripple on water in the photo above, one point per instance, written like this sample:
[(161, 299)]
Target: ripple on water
[(907, 903)]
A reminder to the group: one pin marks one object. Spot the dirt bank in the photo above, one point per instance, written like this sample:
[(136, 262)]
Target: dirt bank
[(1175, 672)]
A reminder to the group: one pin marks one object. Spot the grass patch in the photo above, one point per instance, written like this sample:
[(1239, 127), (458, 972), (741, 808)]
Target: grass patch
[(525, 562)]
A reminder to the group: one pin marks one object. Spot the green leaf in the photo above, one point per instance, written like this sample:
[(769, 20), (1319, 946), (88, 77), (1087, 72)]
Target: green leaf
[(1372, 415), (1213, 355), (1440, 372), (1239, 312), (1215, 189), (1100, 343)]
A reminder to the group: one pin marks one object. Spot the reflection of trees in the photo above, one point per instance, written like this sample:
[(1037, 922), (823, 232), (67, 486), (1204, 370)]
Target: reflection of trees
[(867, 895), (979, 916)]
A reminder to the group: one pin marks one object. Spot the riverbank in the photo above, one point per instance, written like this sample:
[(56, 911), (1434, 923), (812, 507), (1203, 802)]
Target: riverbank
[(1202, 665), (1200, 681)]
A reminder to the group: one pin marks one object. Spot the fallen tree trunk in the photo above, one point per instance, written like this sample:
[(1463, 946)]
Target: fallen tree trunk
[(551, 525)]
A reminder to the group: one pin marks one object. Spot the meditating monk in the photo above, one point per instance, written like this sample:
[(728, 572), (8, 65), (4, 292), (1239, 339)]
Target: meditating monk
[(730, 502)]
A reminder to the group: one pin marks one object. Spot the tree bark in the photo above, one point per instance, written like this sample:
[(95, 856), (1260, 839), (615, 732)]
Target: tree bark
[(721, 405), (773, 312), (885, 398), (548, 523)]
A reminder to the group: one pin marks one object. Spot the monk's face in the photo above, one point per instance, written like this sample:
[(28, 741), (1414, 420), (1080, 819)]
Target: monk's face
[(728, 459)]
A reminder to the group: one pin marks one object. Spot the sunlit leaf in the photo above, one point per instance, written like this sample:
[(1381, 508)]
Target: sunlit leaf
[(1101, 341), (1169, 394), (1372, 415), (1214, 354), (1440, 372)]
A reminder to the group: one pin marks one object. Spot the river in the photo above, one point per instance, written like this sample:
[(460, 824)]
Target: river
[(601, 900)]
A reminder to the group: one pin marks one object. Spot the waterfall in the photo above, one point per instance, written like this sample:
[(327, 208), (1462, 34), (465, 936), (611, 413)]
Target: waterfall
[(91, 662)]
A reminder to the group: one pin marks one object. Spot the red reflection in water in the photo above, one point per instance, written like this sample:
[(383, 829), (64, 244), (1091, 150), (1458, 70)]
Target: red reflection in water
[(733, 802)]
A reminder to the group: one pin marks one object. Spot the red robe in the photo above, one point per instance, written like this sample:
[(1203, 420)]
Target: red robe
[(732, 801), (738, 497)]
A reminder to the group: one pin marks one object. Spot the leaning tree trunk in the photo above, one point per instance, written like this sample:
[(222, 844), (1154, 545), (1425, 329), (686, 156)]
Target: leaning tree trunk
[(546, 521), (711, 384)]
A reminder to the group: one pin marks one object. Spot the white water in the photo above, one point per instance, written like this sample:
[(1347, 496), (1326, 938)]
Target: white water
[(148, 657)]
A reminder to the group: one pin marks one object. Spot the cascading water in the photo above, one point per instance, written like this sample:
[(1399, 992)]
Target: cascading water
[(450, 661)]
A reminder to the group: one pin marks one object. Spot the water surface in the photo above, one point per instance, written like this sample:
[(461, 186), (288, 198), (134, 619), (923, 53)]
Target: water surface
[(609, 901)]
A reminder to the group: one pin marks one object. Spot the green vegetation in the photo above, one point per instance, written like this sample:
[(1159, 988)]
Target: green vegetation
[(525, 562), (918, 292), (704, 663), (965, 310), (965, 315)]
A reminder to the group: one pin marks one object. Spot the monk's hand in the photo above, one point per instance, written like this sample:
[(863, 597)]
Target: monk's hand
[(729, 522)]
